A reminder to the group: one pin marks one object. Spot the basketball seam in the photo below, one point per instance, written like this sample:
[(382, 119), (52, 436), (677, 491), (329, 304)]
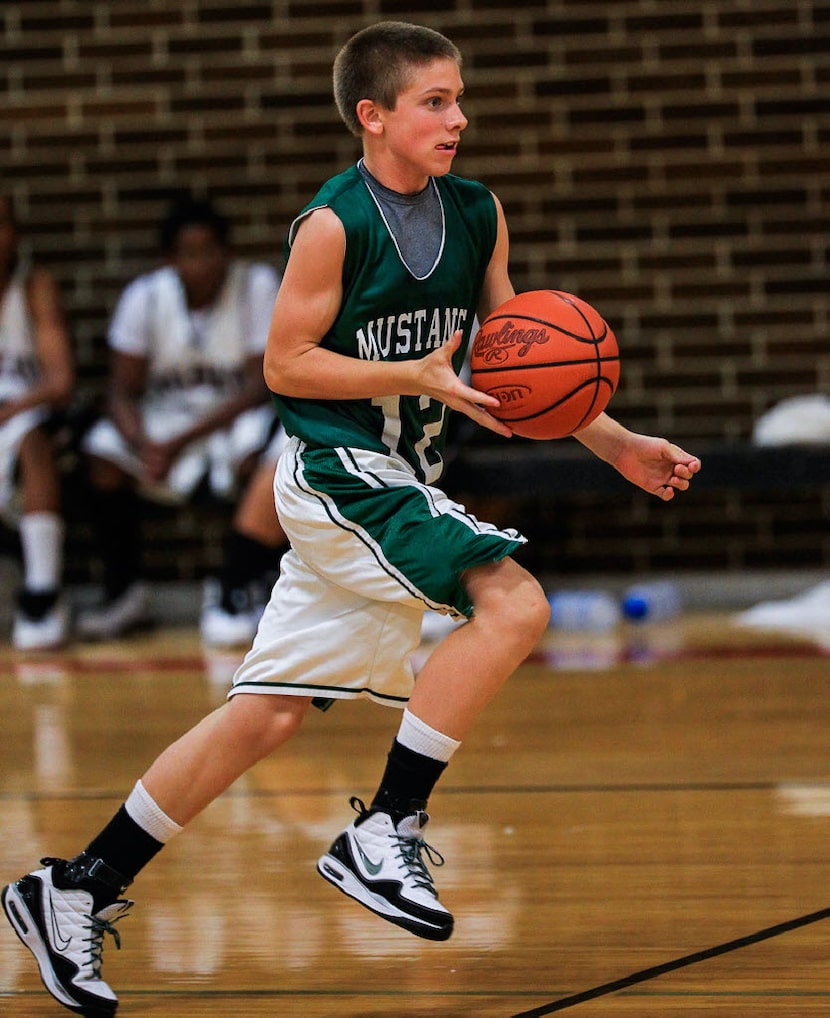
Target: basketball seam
[(559, 402), (546, 364)]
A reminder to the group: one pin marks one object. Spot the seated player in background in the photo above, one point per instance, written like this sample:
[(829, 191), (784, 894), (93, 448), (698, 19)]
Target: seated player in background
[(187, 406), (36, 378)]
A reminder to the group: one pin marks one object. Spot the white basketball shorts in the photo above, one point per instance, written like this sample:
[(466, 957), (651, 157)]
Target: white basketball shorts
[(216, 457), (372, 548)]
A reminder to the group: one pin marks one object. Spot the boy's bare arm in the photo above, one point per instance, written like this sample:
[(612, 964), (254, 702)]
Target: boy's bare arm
[(307, 305), (653, 464)]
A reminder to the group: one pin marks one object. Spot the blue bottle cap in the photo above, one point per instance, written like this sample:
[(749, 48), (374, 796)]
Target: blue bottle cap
[(635, 607)]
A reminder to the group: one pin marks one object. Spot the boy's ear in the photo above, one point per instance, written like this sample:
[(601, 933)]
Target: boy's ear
[(369, 115)]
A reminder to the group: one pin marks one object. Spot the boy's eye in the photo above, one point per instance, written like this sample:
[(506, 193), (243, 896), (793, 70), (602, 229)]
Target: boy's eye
[(437, 101)]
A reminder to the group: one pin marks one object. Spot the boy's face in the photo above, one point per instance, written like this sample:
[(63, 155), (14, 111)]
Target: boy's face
[(423, 130), (201, 262)]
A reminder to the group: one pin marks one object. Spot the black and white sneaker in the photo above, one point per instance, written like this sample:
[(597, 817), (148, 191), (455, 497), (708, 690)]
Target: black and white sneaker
[(57, 921), (381, 865), (128, 613), (41, 621)]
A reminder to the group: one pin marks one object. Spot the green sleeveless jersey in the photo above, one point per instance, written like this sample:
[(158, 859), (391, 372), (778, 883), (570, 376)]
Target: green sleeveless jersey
[(389, 314)]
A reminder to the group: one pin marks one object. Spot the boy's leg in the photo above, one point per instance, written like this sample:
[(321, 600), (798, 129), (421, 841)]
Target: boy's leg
[(205, 761), (378, 859), (468, 667), (62, 911)]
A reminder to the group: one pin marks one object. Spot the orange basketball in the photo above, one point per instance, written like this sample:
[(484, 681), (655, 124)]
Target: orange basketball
[(550, 358)]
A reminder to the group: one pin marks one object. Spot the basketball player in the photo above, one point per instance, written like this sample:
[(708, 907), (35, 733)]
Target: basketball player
[(36, 378), (187, 405), (387, 267)]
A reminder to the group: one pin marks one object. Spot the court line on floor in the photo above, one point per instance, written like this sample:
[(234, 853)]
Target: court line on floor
[(677, 963), (97, 794)]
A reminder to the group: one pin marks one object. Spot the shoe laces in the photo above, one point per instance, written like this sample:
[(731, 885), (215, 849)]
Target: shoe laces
[(98, 927), (410, 850)]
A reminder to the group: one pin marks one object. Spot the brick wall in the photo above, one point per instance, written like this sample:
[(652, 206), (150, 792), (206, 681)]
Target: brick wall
[(666, 160)]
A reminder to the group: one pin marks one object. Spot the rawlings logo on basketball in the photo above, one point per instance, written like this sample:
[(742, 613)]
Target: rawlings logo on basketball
[(495, 347)]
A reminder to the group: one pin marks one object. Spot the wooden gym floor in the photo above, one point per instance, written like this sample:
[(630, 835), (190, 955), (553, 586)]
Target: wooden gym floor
[(638, 826)]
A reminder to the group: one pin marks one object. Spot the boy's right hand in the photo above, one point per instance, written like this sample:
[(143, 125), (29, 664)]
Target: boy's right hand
[(440, 381)]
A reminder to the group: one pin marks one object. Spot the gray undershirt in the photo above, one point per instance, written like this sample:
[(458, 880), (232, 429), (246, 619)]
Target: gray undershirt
[(416, 222)]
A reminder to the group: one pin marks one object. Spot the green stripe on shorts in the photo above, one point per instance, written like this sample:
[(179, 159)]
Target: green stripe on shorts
[(413, 530)]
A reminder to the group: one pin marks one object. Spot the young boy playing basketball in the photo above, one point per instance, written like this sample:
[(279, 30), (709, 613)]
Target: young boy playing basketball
[(387, 268)]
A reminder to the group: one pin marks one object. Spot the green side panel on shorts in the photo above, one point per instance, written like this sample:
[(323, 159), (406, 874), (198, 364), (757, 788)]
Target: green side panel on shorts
[(404, 531)]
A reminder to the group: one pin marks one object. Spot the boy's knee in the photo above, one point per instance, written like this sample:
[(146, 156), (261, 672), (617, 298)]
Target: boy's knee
[(519, 608), (535, 608), (268, 720)]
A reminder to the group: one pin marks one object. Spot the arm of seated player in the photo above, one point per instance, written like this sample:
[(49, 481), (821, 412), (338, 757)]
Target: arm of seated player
[(126, 385), (307, 304), (653, 464), (56, 378), (251, 394), (158, 457)]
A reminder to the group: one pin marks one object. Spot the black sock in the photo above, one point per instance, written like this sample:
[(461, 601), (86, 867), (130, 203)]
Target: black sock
[(116, 517), (36, 604), (245, 561), (124, 846), (110, 862), (407, 782)]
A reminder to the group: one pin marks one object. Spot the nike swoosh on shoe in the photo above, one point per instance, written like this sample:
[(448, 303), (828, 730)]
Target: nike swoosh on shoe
[(372, 868), (61, 942)]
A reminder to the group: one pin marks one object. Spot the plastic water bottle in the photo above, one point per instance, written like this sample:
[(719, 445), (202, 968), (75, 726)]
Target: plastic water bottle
[(652, 602), (583, 610)]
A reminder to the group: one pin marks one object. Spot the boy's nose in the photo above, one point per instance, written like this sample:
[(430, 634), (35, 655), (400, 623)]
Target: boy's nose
[(457, 118)]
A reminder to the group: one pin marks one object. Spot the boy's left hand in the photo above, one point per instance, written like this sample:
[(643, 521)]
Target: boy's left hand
[(657, 466)]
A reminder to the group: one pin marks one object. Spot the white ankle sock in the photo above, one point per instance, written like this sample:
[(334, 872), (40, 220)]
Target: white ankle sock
[(41, 542), (420, 738), (149, 816)]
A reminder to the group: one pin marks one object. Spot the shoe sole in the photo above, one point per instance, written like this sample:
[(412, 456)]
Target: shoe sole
[(339, 876), (21, 921)]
